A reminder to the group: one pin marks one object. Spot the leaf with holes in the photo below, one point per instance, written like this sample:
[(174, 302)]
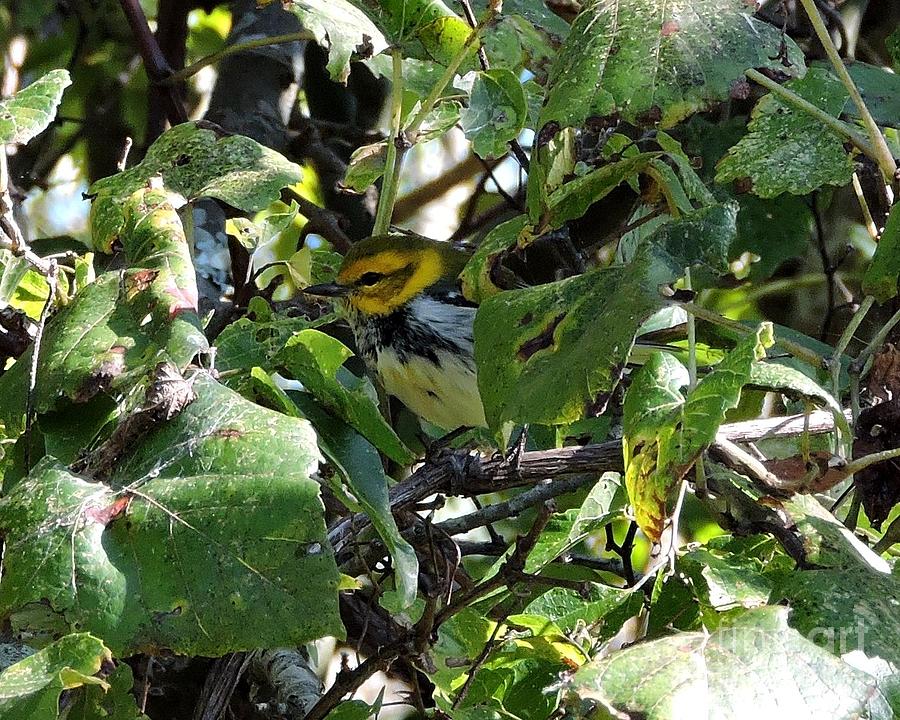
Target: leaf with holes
[(194, 162), (342, 29), (28, 112), (546, 352), (788, 150), (657, 62), (114, 326)]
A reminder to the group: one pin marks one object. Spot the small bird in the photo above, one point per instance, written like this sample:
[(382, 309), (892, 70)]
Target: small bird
[(412, 325)]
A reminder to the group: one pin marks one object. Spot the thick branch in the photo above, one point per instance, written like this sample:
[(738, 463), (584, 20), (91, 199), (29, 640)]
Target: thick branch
[(472, 474)]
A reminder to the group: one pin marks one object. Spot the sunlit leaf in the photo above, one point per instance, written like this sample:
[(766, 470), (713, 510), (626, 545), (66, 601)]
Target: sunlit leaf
[(30, 111)]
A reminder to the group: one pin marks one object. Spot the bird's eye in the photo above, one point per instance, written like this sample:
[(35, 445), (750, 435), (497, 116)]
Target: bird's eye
[(369, 278)]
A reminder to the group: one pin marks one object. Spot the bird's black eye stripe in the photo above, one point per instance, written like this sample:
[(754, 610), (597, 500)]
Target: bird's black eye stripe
[(369, 278)]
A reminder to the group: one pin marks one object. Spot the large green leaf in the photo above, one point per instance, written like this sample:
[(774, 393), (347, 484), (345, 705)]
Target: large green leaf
[(30, 689), (496, 113), (113, 328), (221, 431), (204, 564), (664, 435), (194, 162), (883, 272), (545, 352), (788, 150), (316, 360), (754, 667), (846, 597), (656, 61), (30, 111)]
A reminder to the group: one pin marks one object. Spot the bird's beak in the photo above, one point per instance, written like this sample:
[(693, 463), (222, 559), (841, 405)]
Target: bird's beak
[(327, 290)]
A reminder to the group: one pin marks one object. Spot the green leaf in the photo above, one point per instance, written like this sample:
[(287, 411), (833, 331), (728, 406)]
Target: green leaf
[(568, 609), (790, 381), (663, 436), (656, 62), (881, 276), (893, 45), (220, 431), (194, 162), (566, 529), (496, 113), (771, 232), (788, 150), (755, 667), (28, 112), (342, 29), (847, 598), (535, 12), (366, 166), (427, 28), (316, 359), (477, 277), (731, 580), (113, 703), (115, 326), (30, 689), (880, 90), (254, 340), (698, 238), (545, 352), (571, 200), (360, 467), (200, 565)]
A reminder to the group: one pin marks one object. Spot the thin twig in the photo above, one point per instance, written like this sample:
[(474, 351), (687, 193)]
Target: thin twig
[(471, 474), (795, 349), (155, 63), (349, 681), (858, 365), (194, 68), (843, 342), (828, 267), (514, 147), (479, 662), (868, 220)]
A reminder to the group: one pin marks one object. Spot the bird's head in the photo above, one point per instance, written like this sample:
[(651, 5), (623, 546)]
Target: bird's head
[(383, 273)]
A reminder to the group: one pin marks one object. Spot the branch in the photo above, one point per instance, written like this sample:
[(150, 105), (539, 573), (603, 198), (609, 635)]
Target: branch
[(155, 62), (410, 203), (194, 68), (468, 474)]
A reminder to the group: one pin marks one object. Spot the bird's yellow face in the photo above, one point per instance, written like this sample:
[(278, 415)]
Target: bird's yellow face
[(380, 283)]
